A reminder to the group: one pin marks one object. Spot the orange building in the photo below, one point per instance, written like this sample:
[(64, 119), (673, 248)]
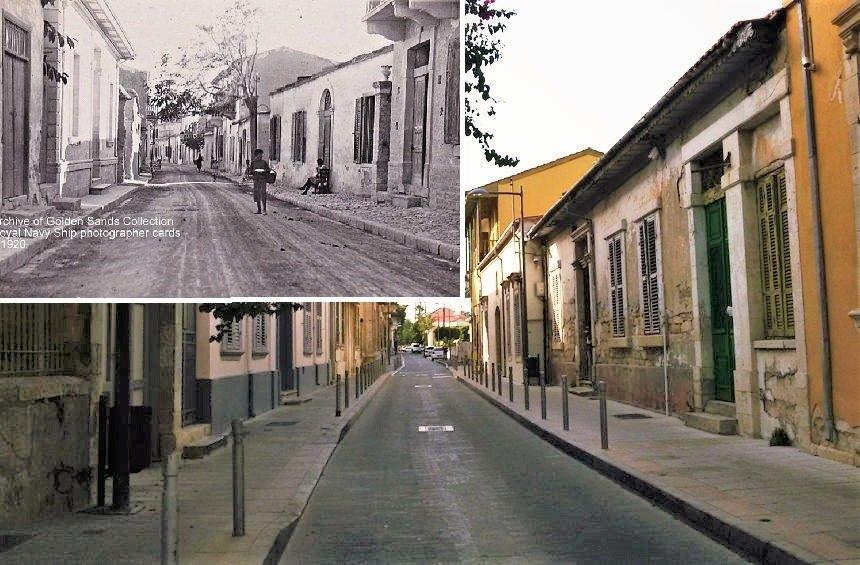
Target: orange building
[(825, 111)]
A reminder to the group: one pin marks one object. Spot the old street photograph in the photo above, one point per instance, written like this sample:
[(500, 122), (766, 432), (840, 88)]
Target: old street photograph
[(230, 148)]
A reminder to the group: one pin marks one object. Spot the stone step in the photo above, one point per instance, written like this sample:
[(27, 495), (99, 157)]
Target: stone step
[(712, 423), (721, 408), (405, 201), (100, 187), (66, 203), (203, 447), (28, 213)]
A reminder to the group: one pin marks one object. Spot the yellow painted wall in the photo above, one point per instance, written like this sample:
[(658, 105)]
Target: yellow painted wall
[(838, 208)]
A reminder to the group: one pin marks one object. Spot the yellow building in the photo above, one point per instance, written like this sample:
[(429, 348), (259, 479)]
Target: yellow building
[(834, 99), (493, 265)]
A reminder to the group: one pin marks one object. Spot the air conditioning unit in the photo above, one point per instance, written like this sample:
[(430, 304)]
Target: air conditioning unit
[(540, 289)]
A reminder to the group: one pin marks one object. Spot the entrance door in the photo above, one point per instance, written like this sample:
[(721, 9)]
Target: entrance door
[(583, 289), (285, 350), (719, 276), (95, 146), (419, 123), (189, 364), (499, 331), (16, 119)]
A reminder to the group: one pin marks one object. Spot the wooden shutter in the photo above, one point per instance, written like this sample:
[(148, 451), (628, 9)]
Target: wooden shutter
[(649, 276), (307, 328), (555, 290), (775, 255), (367, 118), (261, 344), (452, 94), (232, 340), (319, 327), (616, 286), (518, 321), (356, 132)]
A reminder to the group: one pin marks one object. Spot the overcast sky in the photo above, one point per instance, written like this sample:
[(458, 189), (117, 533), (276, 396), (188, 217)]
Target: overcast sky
[(578, 74), (329, 28)]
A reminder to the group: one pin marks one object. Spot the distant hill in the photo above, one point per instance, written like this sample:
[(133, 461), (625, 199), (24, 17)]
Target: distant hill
[(283, 65)]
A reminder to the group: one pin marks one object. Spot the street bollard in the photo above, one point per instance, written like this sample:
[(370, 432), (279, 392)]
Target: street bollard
[(526, 388), (510, 384), (604, 432), (486, 375), (493, 376), (501, 372), (337, 395), (298, 383), (238, 479), (565, 406), (346, 389), (169, 508), (358, 382), (542, 379)]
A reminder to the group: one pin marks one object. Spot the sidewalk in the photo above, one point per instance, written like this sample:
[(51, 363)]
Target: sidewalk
[(775, 504), (425, 229), (92, 205), (286, 451)]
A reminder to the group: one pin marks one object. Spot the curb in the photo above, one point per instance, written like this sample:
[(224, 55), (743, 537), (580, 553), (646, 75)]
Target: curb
[(397, 235), (18, 260), (723, 529), (276, 551)]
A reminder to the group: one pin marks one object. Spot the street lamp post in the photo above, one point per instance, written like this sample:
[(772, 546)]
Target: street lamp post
[(524, 323)]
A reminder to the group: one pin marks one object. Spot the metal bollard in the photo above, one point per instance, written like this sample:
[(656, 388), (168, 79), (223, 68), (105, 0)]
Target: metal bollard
[(501, 372), (493, 376), (346, 389), (169, 509), (298, 382), (604, 432), (510, 384), (565, 405), (542, 379), (358, 382), (485, 375), (526, 387), (238, 479), (337, 395)]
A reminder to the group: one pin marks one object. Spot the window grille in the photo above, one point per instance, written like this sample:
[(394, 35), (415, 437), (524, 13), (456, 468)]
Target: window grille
[(650, 280), (16, 40), (775, 255), (711, 170), (616, 285), (31, 340)]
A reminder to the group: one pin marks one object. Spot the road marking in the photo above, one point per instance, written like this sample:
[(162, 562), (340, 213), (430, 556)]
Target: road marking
[(423, 386), (435, 428), (443, 377)]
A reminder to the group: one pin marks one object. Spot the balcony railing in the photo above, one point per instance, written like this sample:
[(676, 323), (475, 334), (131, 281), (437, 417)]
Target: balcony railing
[(373, 4)]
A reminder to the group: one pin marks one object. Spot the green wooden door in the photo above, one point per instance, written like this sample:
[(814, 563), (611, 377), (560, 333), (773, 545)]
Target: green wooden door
[(719, 276)]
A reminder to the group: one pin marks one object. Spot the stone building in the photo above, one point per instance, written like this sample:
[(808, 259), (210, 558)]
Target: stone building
[(340, 115), (424, 162), (671, 260)]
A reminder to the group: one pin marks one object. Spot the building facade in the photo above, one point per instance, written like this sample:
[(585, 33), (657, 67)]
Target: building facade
[(340, 115), (424, 160)]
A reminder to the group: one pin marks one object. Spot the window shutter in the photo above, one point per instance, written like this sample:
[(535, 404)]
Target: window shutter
[(356, 132), (452, 94), (775, 256), (649, 276), (518, 322), (303, 135), (555, 290), (307, 329), (318, 323), (616, 286), (367, 139)]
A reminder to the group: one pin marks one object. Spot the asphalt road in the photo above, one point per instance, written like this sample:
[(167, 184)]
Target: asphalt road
[(226, 250), (488, 492)]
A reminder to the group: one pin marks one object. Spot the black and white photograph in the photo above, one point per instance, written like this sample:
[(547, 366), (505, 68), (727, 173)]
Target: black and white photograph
[(230, 148)]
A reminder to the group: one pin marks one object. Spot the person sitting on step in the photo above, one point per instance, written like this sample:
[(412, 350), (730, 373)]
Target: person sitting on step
[(319, 182)]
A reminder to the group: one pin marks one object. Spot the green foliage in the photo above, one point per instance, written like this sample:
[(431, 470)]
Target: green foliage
[(483, 25), (452, 334), (779, 438), (173, 100), (235, 311)]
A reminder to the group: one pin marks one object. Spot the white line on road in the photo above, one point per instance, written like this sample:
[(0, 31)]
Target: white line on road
[(423, 386), (435, 428)]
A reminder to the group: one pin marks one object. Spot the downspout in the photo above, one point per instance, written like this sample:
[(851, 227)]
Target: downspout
[(817, 232), (592, 299)]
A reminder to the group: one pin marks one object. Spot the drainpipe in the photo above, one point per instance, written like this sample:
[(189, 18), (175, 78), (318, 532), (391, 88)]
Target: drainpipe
[(817, 233)]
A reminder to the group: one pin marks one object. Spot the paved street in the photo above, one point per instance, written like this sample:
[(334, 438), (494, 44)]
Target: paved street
[(227, 250), (489, 491)]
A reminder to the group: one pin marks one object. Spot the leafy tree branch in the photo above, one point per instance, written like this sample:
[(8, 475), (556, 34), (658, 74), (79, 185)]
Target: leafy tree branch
[(227, 313)]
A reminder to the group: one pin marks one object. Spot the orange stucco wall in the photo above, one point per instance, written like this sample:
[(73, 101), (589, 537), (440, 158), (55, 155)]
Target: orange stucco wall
[(837, 206)]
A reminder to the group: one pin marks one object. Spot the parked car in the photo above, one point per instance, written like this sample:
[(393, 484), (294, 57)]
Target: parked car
[(417, 348), (440, 353), (428, 351)]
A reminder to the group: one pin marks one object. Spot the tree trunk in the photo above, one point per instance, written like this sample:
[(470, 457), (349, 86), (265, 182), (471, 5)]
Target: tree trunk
[(251, 102)]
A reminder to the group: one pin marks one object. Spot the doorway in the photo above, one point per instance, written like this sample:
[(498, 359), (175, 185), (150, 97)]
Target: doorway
[(583, 309), (419, 63), (285, 350), (16, 117), (324, 147), (498, 331), (189, 364), (719, 278)]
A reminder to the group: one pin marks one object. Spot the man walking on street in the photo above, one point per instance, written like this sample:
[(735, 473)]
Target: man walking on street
[(199, 162), (259, 169)]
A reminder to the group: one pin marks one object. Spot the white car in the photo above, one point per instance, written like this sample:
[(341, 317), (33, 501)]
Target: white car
[(428, 351), (439, 353), (416, 348)]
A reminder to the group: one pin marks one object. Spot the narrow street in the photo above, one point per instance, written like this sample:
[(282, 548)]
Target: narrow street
[(227, 250), (488, 491)]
